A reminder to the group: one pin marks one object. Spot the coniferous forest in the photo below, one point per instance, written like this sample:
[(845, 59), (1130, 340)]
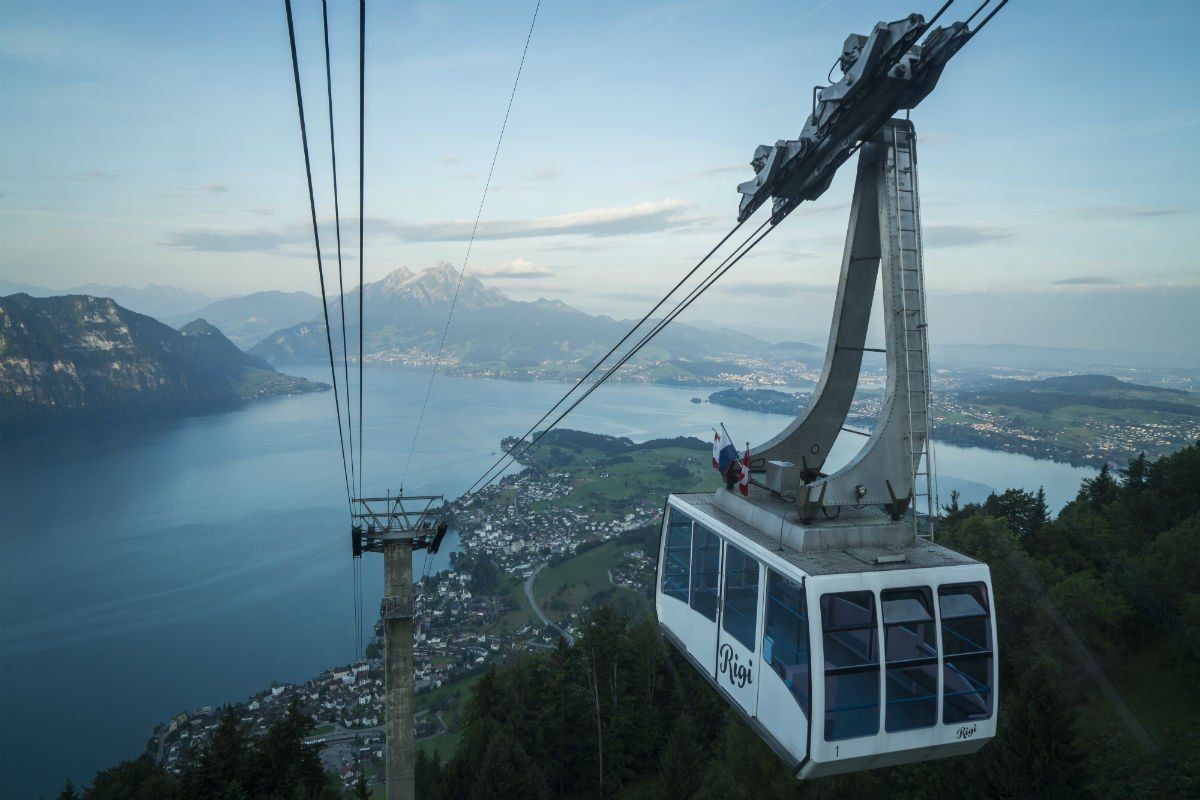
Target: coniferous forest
[(1112, 583)]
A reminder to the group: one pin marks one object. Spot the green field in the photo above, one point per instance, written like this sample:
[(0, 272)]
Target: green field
[(513, 590), (583, 580), (443, 744)]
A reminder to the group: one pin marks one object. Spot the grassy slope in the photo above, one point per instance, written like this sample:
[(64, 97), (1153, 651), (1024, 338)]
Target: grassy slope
[(584, 580)]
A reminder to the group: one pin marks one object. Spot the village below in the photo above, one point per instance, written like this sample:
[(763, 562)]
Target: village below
[(574, 530)]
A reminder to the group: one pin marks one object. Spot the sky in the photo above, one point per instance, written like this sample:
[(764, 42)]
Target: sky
[(150, 142)]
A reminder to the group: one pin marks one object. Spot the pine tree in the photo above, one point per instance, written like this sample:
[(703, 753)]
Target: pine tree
[(1034, 754), (1101, 490), (282, 762), (507, 772), (1041, 511), (425, 775), (680, 757), (223, 766), (68, 792)]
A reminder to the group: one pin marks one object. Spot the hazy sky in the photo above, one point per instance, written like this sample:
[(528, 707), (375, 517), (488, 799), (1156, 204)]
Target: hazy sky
[(158, 142)]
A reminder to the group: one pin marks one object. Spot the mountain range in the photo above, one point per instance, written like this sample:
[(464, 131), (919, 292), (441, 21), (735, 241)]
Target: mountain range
[(77, 357), (250, 318), (406, 317)]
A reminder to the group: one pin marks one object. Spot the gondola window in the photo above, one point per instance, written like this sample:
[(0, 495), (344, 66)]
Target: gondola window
[(851, 643), (785, 639), (677, 556), (706, 570), (910, 650), (740, 616), (967, 653)]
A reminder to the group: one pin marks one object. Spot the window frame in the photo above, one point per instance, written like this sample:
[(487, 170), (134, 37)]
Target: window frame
[(903, 665), (686, 575), (874, 667), (747, 562), (772, 602), (697, 589), (986, 655)]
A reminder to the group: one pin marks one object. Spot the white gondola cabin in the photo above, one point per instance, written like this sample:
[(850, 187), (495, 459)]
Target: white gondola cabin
[(841, 660), (818, 604)]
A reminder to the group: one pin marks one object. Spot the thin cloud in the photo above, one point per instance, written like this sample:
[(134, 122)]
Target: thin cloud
[(517, 269), (963, 235), (639, 218), (725, 169), (1088, 280), (772, 289), (93, 175), (207, 240), (639, 297), (1116, 212)]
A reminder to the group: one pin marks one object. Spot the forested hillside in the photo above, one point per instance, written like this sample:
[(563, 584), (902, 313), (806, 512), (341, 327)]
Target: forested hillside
[(621, 715)]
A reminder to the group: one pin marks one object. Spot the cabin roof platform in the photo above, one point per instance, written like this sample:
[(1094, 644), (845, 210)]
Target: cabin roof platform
[(858, 540)]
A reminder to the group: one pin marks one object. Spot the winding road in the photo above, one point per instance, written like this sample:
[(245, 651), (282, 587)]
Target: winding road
[(533, 604)]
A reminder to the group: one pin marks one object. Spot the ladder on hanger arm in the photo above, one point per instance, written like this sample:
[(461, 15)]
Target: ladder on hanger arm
[(894, 472), (915, 326)]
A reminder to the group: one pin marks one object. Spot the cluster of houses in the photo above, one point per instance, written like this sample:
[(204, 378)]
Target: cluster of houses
[(455, 633), (534, 527)]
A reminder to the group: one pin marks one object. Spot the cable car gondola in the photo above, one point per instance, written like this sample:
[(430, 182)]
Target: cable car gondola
[(840, 659), (818, 604)]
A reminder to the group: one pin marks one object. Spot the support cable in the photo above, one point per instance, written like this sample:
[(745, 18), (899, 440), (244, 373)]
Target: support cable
[(362, 116), (362, 73), (470, 243), (337, 227), (312, 206), (718, 272)]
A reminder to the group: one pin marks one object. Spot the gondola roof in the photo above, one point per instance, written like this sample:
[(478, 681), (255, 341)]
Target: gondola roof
[(920, 554)]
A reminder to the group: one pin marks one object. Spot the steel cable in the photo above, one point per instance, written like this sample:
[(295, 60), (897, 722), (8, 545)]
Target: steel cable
[(337, 227), (362, 116), (312, 205)]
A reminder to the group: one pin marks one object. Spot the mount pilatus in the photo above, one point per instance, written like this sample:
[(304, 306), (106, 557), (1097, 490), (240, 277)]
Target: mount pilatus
[(77, 357), (493, 334)]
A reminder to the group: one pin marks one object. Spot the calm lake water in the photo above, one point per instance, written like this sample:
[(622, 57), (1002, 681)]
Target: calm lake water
[(148, 568)]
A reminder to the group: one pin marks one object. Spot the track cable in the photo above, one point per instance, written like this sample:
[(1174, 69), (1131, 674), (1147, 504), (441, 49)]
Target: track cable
[(312, 205), (337, 227), (362, 117)]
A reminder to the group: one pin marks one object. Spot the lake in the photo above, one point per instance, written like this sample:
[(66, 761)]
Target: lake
[(147, 568)]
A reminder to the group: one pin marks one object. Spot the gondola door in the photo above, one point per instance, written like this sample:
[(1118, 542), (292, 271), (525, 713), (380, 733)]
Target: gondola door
[(738, 634)]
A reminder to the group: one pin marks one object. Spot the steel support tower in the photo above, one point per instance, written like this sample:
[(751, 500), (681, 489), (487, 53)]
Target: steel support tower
[(396, 526)]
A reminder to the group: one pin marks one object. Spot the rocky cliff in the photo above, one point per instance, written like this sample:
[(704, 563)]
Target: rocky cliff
[(78, 357)]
